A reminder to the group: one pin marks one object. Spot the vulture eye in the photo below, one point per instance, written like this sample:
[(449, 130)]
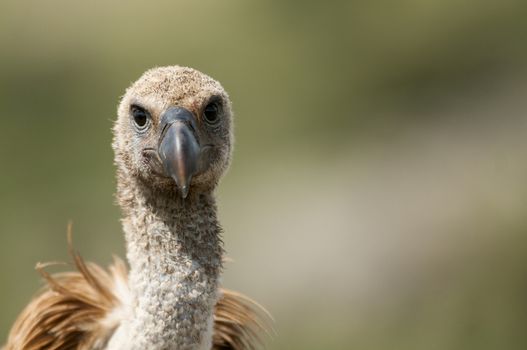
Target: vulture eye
[(211, 113), (140, 116)]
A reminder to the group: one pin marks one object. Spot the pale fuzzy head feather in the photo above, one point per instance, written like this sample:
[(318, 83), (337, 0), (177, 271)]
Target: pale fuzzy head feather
[(157, 90)]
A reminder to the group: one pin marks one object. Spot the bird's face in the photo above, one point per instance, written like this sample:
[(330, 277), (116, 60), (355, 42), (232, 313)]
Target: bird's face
[(174, 130)]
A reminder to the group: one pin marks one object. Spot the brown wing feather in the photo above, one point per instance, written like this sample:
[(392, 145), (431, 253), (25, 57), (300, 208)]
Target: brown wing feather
[(67, 312), (239, 322), (71, 311)]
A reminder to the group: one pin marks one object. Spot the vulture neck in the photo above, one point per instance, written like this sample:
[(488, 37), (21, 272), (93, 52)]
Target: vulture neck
[(175, 253)]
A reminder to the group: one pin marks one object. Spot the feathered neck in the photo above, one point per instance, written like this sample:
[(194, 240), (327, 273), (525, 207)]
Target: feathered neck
[(174, 249)]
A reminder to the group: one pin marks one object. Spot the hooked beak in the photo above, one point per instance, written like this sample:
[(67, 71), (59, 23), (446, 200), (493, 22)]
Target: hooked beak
[(179, 148)]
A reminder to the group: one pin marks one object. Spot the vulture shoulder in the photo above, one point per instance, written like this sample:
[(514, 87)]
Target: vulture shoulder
[(81, 310)]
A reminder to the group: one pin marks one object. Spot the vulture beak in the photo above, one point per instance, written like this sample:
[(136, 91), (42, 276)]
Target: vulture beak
[(179, 148)]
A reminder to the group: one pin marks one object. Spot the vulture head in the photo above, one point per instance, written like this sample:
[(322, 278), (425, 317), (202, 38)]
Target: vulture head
[(174, 131)]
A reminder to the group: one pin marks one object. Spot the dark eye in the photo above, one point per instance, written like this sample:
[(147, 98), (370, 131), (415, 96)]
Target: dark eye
[(140, 116), (211, 113)]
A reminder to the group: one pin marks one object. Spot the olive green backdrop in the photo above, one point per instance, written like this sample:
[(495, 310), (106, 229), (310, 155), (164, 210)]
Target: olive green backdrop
[(378, 194)]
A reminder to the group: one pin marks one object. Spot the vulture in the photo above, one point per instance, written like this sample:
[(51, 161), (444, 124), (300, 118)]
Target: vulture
[(173, 140)]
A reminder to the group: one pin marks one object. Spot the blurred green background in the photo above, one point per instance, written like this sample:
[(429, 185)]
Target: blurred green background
[(378, 194)]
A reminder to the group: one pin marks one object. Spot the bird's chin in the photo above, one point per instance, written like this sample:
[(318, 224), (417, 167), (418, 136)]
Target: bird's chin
[(153, 175), (162, 184)]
